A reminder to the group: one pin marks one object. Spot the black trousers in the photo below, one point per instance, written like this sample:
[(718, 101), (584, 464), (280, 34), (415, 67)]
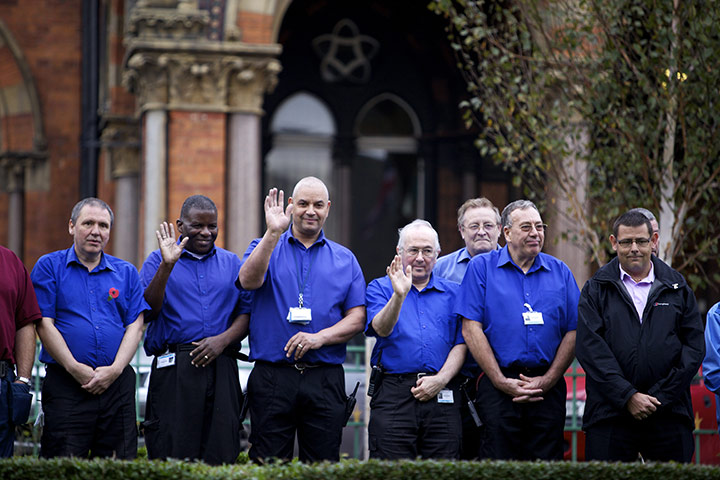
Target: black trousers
[(521, 431), (661, 437), (472, 435), (194, 412), (285, 401), (80, 424), (403, 427)]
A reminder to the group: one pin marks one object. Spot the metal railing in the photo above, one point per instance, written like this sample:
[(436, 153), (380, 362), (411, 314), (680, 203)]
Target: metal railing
[(354, 367)]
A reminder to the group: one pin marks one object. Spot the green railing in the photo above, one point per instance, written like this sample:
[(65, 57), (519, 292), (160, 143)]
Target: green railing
[(354, 366)]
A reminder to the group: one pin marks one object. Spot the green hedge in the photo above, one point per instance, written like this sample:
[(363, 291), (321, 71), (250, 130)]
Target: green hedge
[(24, 468)]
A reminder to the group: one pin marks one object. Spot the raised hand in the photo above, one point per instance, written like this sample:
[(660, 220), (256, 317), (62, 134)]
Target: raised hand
[(169, 248), (277, 219), (400, 278)]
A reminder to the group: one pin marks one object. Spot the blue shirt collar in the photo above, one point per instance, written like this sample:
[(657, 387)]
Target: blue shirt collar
[(291, 238), (539, 262), (434, 284), (463, 256), (71, 257)]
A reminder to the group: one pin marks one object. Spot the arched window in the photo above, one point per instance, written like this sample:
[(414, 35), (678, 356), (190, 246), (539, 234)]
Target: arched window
[(388, 180)]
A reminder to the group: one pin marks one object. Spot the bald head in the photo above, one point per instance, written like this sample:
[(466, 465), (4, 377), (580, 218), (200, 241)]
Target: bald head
[(313, 183)]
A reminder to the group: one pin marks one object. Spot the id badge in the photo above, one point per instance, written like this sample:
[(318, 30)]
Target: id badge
[(166, 360), (533, 318), (445, 396), (300, 315)]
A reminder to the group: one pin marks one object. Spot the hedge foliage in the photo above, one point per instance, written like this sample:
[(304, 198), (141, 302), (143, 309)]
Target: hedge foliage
[(24, 468)]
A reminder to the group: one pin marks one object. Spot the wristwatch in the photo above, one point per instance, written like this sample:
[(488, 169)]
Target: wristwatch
[(24, 380)]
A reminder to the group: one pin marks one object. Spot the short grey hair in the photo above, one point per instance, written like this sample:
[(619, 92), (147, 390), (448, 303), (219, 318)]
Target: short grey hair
[(416, 224), (516, 205), (481, 202), (90, 201), (648, 214)]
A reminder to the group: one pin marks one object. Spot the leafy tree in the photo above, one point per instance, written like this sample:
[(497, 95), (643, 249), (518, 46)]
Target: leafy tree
[(608, 104)]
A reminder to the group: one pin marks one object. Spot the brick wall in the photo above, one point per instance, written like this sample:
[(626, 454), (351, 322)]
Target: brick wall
[(196, 161), (49, 35)]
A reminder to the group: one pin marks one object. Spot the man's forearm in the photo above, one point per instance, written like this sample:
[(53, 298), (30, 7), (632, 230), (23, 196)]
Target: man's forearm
[(237, 330), (352, 324), (155, 291), (25, 350), (252, 273), (453, 363), (129, 344), (563, 357), (481, 351), (384, 322)]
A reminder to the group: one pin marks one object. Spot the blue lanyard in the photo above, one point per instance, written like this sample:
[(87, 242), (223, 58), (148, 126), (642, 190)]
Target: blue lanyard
[(302, 279)]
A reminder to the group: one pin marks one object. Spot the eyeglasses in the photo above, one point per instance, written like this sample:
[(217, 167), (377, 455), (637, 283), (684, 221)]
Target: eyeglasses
[(527, 227), (426, 252), (474, 227), (627, 242)]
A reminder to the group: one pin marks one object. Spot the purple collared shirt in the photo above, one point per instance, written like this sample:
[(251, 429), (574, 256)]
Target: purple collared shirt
[(638, 290)]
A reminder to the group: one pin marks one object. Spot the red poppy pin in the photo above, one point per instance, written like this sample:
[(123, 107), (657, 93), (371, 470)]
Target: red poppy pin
[(113, 293)]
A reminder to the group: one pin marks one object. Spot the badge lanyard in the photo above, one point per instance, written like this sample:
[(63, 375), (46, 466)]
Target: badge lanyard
[(302, 279)]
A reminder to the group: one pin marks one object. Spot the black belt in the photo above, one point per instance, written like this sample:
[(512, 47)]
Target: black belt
[(6, 367), (299, 366), (515, 371), (409, 376), (180, 347)]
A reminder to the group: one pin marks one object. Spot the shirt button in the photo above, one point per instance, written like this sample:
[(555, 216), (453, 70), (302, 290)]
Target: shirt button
[(203, 292), (93, 309), (202, 276)]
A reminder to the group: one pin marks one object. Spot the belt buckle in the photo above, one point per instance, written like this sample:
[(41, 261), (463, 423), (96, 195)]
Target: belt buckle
[(420, 375), (300, 367)]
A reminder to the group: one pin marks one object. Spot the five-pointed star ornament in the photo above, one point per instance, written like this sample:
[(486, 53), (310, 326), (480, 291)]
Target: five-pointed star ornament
[(345, 54)]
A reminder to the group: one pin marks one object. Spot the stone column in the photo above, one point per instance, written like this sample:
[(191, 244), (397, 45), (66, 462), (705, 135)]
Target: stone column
[(16, 204), (201, 104), (121, 144)]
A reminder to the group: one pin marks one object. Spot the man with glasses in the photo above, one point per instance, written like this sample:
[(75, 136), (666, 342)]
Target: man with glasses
[(655, 227), (640, 341), (419, 350), (519, 311), (479, 226)]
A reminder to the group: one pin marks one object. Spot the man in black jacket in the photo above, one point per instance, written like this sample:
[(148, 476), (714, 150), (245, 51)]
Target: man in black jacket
[(640, 341)]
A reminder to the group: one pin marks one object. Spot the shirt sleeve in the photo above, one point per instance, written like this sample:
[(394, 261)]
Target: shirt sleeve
[(27, 308), (711, 363), (573, 298), (44, 281), (356, 293), (147, 272), (135, 296), (376, 299), (470, 299)]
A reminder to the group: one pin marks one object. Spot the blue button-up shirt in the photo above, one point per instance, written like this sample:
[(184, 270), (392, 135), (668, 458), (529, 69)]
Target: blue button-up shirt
[(200, 301), (495, 291), (91, 309), (426, 329), (333, 284), (453, 265)]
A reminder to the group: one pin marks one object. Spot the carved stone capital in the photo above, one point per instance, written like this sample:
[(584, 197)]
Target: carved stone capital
[(202, 81), (120, 141), (24, 171), (248, 83)]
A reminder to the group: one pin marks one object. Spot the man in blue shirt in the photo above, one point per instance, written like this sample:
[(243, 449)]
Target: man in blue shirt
[(711, 363), (92, 320), (415, 406), (519, 309), (309, 300), (479, 226), (194, 398)]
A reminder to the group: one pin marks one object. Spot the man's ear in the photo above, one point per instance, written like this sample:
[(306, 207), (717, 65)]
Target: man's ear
[(613, 242), (179, 224), (71, 227)]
